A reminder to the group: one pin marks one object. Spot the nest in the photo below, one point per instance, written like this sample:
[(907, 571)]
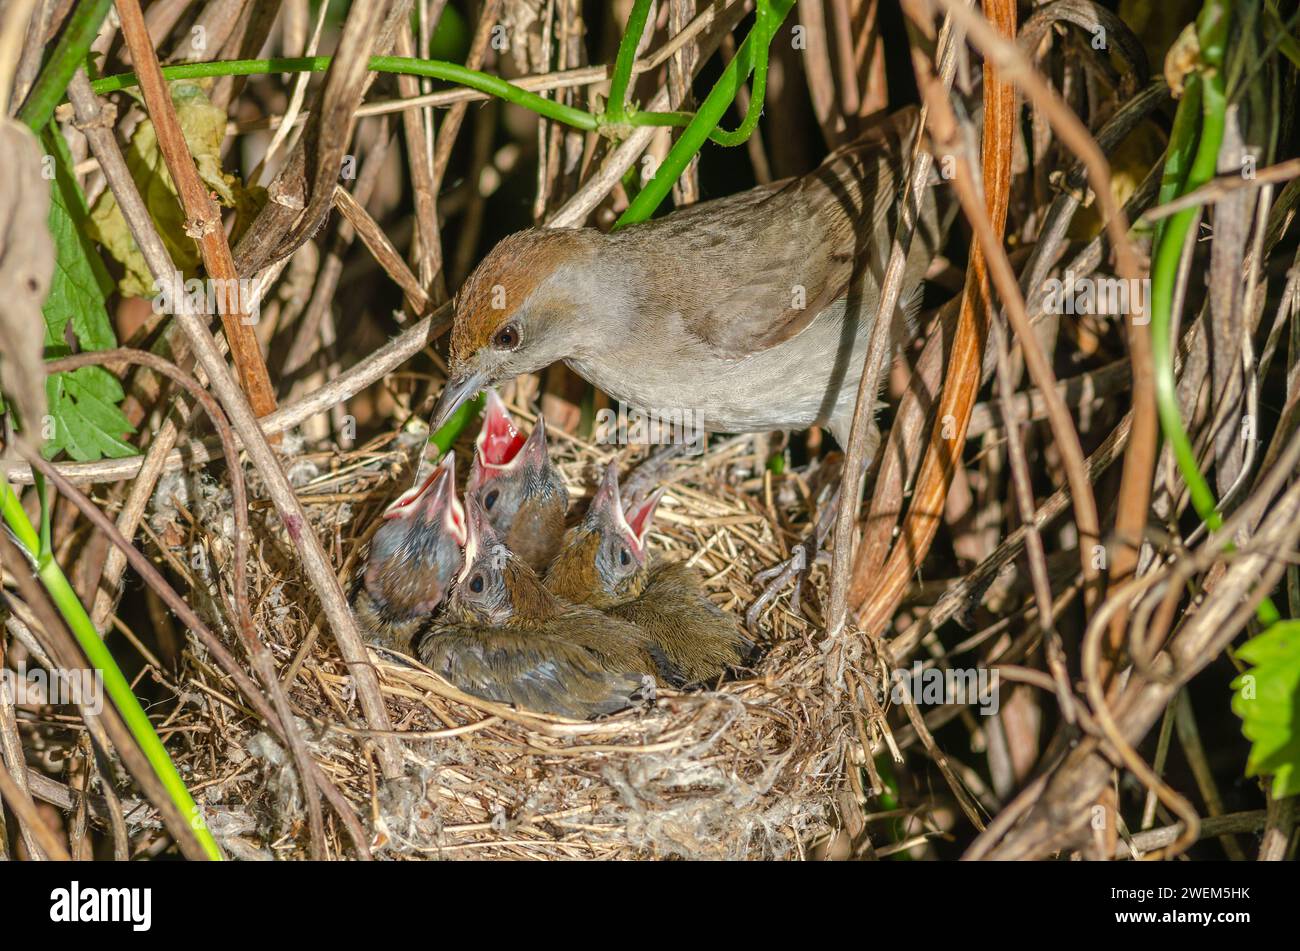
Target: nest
[(754, 768)]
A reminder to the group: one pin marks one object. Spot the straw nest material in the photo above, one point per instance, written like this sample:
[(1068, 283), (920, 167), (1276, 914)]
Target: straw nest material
[(751, 769)]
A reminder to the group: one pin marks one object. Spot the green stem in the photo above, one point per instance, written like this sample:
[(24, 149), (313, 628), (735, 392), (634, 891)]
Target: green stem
[(1182, 148), (473, 79), (428, 68), (115, 682), (456, 423), (765, 25), (1212, 30), (68, 54), (616, 106), (751, 53)]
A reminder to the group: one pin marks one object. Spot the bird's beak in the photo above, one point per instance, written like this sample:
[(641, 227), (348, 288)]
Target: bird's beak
[(638, 516), (454, 394), (534, 451), (605, 503), (413, 499), (635, 524), (441, 501), (479, 535), (499, 442)]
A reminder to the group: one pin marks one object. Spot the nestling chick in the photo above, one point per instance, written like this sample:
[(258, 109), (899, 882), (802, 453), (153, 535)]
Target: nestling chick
[(604, 563), (504, 637), (413, 559), (518, 486)]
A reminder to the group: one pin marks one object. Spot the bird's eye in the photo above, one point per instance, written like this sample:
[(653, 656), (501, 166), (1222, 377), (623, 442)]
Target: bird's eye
[(507, 338), (490, 500), (624, 558), (476, 584)]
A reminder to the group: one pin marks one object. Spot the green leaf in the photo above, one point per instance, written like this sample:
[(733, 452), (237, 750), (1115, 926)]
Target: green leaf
[(80, 283), (1267, 699), (86, 421)]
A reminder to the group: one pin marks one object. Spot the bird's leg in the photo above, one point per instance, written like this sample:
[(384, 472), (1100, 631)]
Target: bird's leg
[(809, 551), (803, 556)]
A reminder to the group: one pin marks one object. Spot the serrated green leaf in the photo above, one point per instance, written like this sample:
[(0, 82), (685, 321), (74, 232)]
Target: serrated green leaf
[(80, 283), (1267, 699), (86, 422), (84, 418)]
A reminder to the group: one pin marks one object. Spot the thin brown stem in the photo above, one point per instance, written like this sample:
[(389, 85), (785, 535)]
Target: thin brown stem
[(203, 218)]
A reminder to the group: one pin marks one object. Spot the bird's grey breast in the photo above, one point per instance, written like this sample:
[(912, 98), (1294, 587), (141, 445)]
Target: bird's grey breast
[(800, 382)]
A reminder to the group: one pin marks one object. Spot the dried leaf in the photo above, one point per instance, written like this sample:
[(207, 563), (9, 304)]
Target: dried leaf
[(204, 126)]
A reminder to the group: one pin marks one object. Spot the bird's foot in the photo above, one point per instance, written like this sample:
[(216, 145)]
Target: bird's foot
[(780, 576), (803, 556)]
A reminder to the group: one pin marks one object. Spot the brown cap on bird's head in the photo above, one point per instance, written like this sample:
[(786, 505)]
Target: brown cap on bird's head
[(506, 313)]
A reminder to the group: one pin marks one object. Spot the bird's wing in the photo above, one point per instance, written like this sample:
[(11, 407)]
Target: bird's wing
[(533, 672), (809, 242)]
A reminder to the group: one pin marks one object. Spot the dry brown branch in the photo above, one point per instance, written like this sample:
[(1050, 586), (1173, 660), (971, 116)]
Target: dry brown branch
[(203, 218), (963, 373), (299, 197), (314, 561), (874, 365)]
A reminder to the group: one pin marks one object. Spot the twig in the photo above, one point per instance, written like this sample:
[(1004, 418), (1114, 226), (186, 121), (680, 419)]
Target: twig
[(1024, 493), (593, 191), (100, 136), (1219, 188), (1153, 839), (566, 78), (940, 759), (11, 749), (30, 819), (374, 367), (957, 599), (877, 351), (239, 497), (13, 31), (327, 136), (203, 218), (1189, 738), (306, 334), (289, 119), (451, 123), (312, 555), (376, 241), (1278, 829), (424, 188)]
